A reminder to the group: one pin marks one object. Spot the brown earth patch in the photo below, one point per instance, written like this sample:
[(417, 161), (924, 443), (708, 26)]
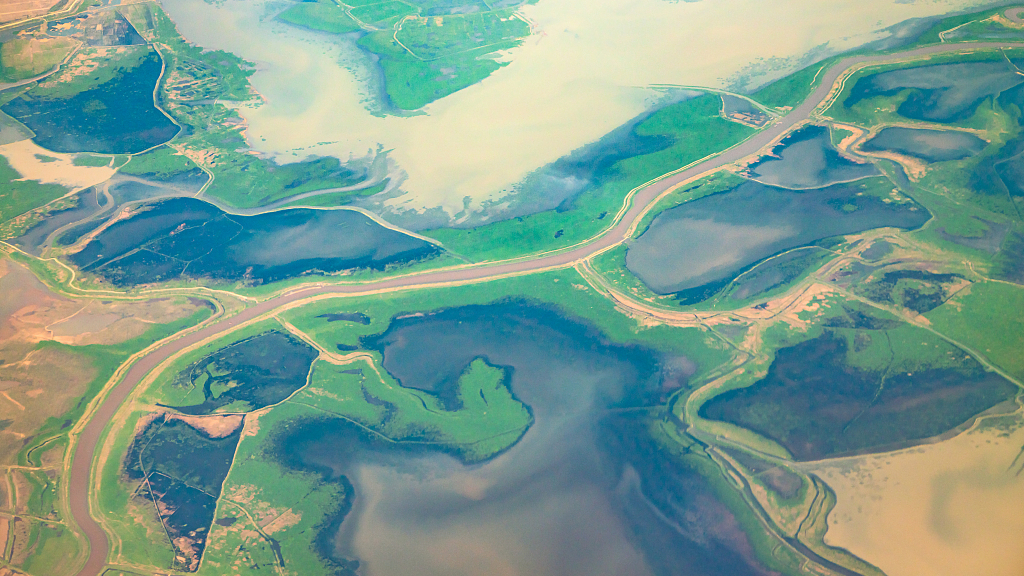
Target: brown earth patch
[(5, 526), (22, 491), (287, 519), (5, 494), (62, 373), (12, 10), (39, 381), (212, 426)]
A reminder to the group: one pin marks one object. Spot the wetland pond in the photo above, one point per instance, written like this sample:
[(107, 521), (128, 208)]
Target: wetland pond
[(819, 399), (163, 458), (807, 159), (943, 93), (255, 373), (584, 491), (115, 117), (189, 238), (928, 145), (712, 239)]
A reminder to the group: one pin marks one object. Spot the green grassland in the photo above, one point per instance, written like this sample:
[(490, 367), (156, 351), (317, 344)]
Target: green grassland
[(18, 196), (161, 163), (47, 549), (383, 13), (323, 15), (697, 130), (791, 90), (259, 489), (488, 419), (92, 160), (23, 58), (425, 51), (225, 75), (987, 318), (332, 199), (426, 59)]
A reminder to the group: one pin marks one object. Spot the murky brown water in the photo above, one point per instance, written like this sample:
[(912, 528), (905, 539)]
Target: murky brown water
[(583, 73), (950, 509)]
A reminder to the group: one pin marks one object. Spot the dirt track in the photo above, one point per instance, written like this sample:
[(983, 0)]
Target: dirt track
[(81, 474)]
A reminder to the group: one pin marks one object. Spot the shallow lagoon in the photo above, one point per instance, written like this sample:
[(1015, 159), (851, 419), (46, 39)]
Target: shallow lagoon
[(189, 238), (579, 493), (35, 238), (928, 145), (807, 159), (713, 238)]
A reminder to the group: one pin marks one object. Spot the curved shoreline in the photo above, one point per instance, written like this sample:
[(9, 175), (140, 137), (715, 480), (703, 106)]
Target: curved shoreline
[(80, 477)]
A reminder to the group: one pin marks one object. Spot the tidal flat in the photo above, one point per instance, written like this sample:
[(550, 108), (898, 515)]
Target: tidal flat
[(584, 472), (578, 77)]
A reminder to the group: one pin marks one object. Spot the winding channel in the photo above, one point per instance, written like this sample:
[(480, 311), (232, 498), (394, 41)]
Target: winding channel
[(79, 480)]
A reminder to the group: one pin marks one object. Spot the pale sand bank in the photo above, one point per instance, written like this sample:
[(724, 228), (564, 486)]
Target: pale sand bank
[(955, 508), (23, 156)]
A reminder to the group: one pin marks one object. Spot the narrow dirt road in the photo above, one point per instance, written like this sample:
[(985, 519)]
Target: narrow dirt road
[(80, 481)]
